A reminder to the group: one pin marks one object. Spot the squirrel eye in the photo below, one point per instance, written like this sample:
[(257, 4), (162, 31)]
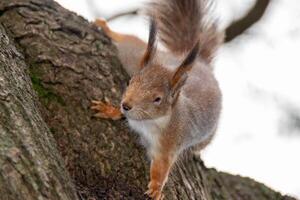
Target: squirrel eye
[(157, 100)]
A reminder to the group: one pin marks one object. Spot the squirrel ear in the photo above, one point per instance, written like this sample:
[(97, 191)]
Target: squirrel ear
[(151, 47), (185, 66), (180, 75)]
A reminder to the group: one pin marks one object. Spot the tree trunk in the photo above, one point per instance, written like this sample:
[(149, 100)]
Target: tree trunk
[(71, 63), (30, 165)]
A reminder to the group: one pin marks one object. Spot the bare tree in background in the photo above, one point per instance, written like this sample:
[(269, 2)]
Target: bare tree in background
[(234, 30)]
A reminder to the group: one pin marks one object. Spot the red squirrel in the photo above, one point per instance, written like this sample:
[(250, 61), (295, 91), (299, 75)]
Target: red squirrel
[(173, 99)]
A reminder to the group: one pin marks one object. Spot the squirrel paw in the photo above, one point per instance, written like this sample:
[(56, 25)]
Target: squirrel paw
[(106, 111), (100, 23), (154, 191)]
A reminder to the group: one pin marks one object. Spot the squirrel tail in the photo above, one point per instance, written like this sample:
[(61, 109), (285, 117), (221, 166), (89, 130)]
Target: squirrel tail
[(182, 23)]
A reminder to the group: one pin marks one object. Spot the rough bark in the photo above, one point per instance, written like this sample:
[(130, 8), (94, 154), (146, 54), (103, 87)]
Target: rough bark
[(70, 63), (30, 165)]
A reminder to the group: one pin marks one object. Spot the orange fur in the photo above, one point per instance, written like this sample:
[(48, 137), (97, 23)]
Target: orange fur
[(118, 37), (159, 171), (106, 111), (130, 48), (113, 35)]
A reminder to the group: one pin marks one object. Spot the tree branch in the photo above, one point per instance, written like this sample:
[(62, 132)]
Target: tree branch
[(122, 14), (235, 29), (238, 27)]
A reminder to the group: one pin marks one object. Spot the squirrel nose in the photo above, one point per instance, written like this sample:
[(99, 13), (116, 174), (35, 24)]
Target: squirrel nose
[(126, 106)]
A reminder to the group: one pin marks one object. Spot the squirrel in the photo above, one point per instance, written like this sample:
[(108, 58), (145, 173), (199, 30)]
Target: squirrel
[(173, 99)]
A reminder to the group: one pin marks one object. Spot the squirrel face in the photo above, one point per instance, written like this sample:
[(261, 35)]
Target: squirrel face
[(153, 90), (147, 95)]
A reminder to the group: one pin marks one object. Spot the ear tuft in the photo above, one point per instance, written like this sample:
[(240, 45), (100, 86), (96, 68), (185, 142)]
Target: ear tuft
[(186, 65), (191, 57), (151, 47)]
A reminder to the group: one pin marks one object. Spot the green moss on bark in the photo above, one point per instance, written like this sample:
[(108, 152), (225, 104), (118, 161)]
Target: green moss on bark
[(45, 94)]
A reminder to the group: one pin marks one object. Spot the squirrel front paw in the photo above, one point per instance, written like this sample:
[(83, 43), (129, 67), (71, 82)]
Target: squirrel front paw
[(106, 111), (154, 190), (100, 23)]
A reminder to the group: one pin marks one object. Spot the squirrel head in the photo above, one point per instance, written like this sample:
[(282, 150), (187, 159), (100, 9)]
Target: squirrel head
[(153, 91), (146, 96)]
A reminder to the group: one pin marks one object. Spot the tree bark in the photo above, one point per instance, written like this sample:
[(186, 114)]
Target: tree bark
[(71, 63), (30, 165)]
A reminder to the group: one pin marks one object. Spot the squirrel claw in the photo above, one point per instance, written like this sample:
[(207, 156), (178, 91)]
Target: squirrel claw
[(154, 192), (156, 195), (105, 110)]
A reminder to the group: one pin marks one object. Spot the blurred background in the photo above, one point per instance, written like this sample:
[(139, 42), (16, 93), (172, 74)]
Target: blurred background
[(258, 71)]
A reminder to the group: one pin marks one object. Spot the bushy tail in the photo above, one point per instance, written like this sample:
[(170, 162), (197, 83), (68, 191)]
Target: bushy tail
[(181, 23)]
